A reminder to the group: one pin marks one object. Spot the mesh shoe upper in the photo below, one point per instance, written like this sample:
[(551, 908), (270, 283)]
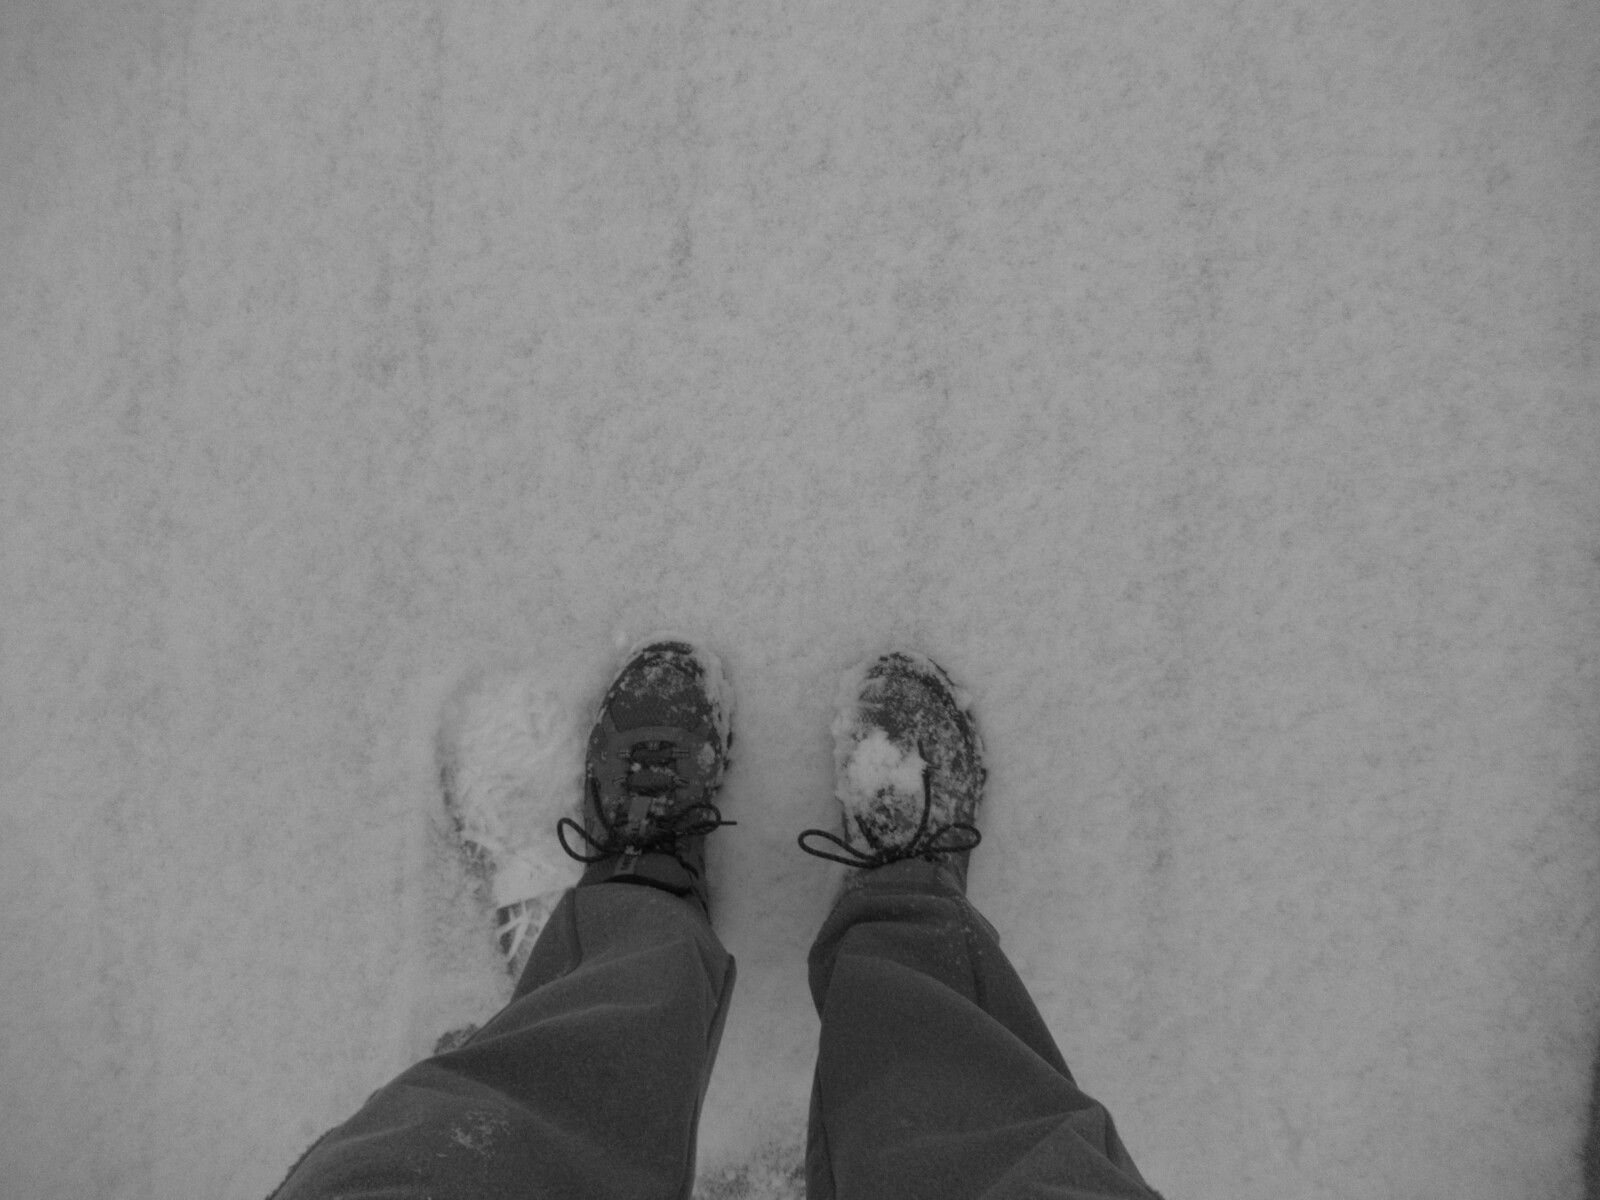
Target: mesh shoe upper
[(656, 757)]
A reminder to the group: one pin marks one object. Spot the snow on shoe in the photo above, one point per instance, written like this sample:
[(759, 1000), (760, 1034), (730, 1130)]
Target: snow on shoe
[(908, 761), (511, 766)]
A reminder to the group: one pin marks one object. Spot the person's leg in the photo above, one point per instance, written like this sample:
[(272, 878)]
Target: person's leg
[(936, 1076), (588, 1083)]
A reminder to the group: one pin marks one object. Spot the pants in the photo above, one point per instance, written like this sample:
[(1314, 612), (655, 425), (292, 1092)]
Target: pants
[(936, 1076)]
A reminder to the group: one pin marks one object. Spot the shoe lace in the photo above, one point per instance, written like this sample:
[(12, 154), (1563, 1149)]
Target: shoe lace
[(635, 830), (925, 843)]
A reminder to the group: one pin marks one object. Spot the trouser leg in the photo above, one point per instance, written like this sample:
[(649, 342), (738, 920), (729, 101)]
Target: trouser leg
[(588, 1083), (936, 1076)]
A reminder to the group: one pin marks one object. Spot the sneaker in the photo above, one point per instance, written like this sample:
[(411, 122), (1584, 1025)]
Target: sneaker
[(908, 766), (656, 757)]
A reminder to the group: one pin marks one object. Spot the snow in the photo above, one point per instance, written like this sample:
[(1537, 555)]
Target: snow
[(511, 764), (877, 766), (1209, 387)]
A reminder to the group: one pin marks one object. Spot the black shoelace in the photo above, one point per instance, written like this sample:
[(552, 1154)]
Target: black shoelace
[(632, 838), (925, 843)]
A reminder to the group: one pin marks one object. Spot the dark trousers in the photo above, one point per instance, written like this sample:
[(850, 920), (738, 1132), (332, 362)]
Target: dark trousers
[(936, 1076)]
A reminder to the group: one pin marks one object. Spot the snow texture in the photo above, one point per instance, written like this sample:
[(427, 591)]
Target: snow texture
[(877, 769), (1211, 387), (510, 768)]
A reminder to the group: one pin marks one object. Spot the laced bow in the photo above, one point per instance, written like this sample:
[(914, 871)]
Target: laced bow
[(925, 843), (634, 832)]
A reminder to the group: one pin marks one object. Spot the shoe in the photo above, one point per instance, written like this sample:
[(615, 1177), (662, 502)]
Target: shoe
[(656, 757), (908, 766)]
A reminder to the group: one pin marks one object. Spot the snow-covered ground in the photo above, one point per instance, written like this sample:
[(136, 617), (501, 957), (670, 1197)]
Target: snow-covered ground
[(1211, 387)]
